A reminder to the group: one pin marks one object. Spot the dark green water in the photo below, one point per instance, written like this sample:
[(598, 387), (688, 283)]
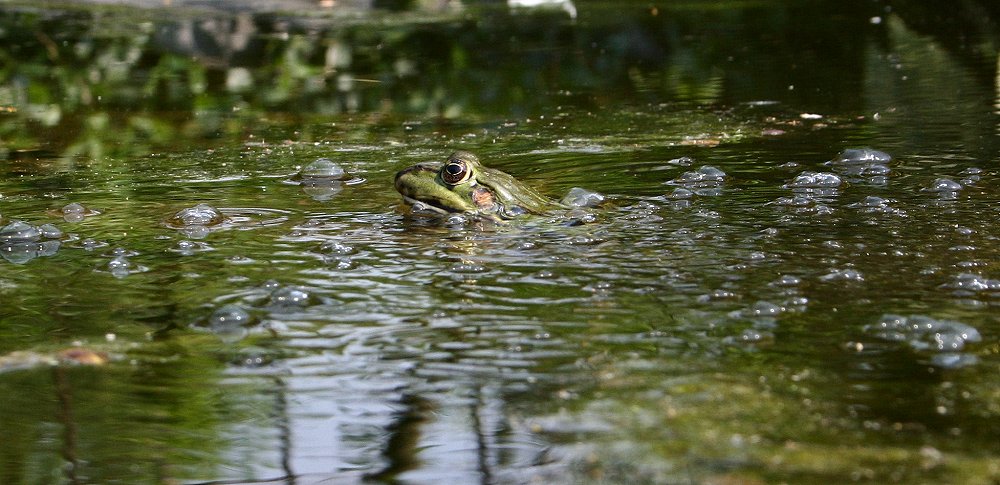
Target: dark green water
[(766, 329)]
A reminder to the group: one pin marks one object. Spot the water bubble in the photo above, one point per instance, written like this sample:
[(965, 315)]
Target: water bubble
[(944, 185), (291, 297), (968, 283), (579, 217), (468, 267), (874, 170), (75, 212), (19, 231), (186, 247), (119, 252), (230, 322), (48, 248), (924, 333), (50, 231), (580, 197), (229, 316), (92, 244), (873, 201), (322, 191), (754, 336), (20, 252), (719, 294), (798, 301), (788, 280), (765, 308), (712, 191), (73, 208), (199, 215), (796, 201), (119, 267), (863, 155), (704, 174), (953, 360), (323, 168), (600, 287), (814, 180), (335, 247), (710, 172), (970, 176), (196, 232), (876, 205), (843, 275), (681, 193)]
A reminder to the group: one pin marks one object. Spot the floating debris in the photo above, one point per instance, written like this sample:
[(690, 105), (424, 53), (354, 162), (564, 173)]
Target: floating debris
[(26, 359)]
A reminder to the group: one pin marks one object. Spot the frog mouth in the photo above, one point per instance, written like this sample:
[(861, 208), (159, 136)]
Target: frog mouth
[(425, 205)]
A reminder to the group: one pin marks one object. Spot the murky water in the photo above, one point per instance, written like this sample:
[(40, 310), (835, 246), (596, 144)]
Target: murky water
[(794, 278)]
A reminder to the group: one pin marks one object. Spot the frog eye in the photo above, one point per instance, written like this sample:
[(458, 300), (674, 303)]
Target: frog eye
[(455, 172)]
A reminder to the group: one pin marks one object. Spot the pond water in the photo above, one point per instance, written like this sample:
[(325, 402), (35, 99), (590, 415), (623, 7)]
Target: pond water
[(794, 277)]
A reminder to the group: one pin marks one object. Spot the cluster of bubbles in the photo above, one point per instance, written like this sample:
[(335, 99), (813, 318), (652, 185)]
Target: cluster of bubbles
[(876, 205), (705, 181), (810, 192), (971, 285), (21, 242), (862, 165), (949, 189), (261, 310), (945, 338)]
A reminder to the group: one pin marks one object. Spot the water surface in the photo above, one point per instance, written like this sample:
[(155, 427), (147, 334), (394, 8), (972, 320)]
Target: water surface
[(794, 278)]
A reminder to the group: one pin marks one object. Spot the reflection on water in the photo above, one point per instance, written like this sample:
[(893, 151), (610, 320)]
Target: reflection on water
[(792, 277)]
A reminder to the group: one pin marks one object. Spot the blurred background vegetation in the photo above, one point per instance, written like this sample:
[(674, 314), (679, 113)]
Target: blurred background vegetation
[(77, 81)]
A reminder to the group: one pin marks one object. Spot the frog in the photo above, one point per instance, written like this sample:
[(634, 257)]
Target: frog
[(462, 184)]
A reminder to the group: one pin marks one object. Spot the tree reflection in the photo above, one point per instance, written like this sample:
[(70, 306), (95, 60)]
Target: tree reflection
[(83, 83)]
